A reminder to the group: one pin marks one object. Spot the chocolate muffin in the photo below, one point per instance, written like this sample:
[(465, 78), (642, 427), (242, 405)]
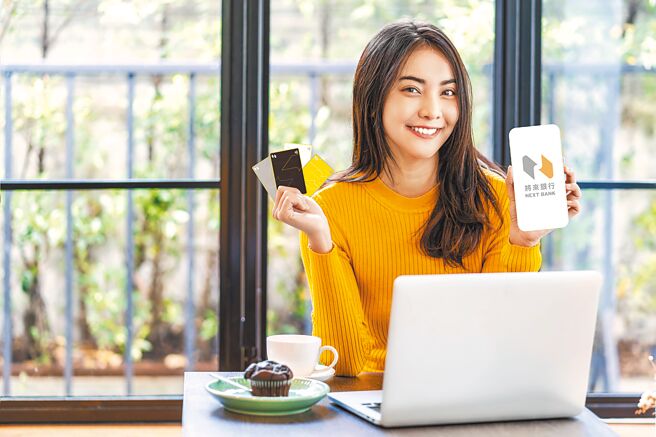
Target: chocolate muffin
[(269, 378)]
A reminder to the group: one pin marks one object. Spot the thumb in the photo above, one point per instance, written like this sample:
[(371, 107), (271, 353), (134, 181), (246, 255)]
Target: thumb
[(302, 204), (510, 184)]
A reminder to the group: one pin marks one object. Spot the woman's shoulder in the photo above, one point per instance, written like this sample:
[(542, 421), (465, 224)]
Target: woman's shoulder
[(337, 191), (497, 182), (494, 177)]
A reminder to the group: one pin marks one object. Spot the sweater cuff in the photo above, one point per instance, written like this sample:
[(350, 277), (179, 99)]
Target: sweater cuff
[(522, 258), (317, 254)]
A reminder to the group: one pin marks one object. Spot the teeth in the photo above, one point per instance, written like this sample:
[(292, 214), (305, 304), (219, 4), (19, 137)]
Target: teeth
[(424, 131)]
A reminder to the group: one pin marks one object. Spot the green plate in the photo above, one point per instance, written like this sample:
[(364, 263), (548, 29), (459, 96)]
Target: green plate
[(302, 395)]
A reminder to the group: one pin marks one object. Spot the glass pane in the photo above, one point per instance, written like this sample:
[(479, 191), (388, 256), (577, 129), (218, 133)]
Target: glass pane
[(113, 32), (165, 267), (161, 118), (160, 43), (615, 235), (99, 45), (599, 85), (312, 66)]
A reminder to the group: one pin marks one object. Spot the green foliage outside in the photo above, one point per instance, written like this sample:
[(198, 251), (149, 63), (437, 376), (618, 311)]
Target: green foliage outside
[(333, 30), (99, 225)]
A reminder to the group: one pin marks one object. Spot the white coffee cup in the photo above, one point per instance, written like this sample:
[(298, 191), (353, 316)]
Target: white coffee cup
[(299, 352)]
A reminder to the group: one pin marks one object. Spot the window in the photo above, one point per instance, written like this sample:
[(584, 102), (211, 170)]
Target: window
[(110, 221), (599, 86)]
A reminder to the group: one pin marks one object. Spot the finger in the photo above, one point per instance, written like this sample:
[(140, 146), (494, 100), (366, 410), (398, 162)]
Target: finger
[(573, 208), (570, 178), (301, 202), (285, 203), (280, 192), (291, 201), (278, 212), (284, 189), (276, 207), (298, 200), (287, 211), (573, 190), (276, 203)]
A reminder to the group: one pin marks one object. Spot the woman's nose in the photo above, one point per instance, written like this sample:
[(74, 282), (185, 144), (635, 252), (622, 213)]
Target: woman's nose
[(430, 109)]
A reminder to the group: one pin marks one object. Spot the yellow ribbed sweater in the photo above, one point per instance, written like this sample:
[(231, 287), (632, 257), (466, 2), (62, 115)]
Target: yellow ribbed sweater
[(376, 234)]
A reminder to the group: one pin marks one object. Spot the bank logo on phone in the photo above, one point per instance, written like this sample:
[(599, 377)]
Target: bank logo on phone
[(529, 167)]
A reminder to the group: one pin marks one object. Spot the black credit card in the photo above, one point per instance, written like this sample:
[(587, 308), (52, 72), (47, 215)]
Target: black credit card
[(287, 169)]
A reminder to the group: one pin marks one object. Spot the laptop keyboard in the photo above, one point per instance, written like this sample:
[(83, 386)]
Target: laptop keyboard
[(373, 405)]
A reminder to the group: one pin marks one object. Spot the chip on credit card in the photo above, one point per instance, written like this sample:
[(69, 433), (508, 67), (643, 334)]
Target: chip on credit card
[(287, 169)]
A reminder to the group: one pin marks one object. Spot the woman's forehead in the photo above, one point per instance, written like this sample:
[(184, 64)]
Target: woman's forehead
[(428, 64)]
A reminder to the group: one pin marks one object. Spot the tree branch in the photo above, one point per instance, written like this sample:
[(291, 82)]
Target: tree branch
[(65, 22), (4, 27)]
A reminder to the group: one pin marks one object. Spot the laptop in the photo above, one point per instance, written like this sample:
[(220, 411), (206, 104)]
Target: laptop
[(485, 347)]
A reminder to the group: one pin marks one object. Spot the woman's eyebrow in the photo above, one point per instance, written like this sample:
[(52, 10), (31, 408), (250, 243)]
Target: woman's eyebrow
[(414, 78), (422, 81)]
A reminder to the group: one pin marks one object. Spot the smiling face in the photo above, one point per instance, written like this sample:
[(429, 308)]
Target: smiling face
[(421, 107)]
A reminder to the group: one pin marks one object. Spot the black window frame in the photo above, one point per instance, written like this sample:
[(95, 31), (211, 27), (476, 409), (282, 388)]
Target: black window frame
[(243, 234)]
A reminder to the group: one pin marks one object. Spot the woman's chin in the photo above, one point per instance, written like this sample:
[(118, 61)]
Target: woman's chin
[(422, 156), (424, 153)]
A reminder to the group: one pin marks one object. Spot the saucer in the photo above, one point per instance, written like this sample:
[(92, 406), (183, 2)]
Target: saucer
[(303, 394), (322, 373)]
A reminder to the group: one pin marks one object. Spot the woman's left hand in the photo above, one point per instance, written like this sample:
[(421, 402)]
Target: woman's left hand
[(531, 238)]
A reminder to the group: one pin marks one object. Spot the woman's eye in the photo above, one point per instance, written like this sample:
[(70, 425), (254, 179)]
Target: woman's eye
[(450, 93), (411, 90)]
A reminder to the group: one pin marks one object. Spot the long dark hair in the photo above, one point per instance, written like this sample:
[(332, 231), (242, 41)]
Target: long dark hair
[(456, 224)]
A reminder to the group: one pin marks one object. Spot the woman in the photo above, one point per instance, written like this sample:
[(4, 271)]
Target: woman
[(417, 199)]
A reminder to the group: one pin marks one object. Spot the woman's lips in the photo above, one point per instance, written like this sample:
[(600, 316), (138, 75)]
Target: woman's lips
[(423, 132)]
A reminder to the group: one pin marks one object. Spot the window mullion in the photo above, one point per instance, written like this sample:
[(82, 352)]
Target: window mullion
[(517, 70)]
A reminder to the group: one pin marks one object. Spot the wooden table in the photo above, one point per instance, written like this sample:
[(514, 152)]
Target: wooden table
[(202, 415)]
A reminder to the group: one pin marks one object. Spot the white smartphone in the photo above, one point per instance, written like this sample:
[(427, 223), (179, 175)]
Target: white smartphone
[(538, 173)]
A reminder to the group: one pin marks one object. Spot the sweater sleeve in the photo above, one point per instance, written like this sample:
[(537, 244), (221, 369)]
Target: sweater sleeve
[(501, 256), (337, 314)]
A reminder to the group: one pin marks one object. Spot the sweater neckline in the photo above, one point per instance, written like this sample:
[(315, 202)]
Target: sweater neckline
[(390, 198)]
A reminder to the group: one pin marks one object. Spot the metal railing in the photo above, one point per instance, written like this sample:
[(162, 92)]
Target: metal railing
[(312, 71)]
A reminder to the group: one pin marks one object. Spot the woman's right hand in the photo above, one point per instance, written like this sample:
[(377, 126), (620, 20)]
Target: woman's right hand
[(304, 214)]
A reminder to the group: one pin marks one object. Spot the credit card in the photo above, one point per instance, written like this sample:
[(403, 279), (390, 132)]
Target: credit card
[(304, 149), (264, 173), (287, 169), (316, 172)]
